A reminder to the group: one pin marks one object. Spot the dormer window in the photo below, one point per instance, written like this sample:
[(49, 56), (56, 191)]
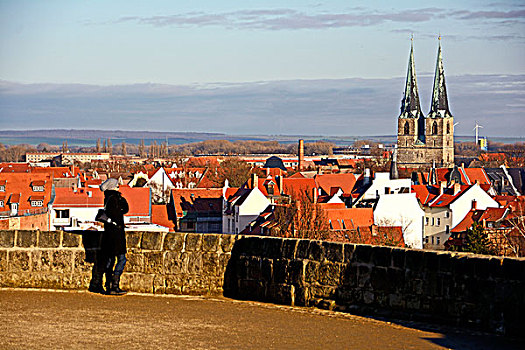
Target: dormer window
[(1, 202), (2, 185), (37, 203), (38, 186)]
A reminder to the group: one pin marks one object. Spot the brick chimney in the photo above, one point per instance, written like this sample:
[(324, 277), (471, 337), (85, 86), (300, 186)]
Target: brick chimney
[(254, 181), (280, 183), (457, 188), (442, 186), (474, 204), (300, 154)]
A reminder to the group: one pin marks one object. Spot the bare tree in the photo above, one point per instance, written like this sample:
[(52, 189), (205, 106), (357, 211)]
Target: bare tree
[(123, 148)]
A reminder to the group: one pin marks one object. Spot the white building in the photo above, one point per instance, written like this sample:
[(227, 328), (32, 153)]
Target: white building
[(401, 209)]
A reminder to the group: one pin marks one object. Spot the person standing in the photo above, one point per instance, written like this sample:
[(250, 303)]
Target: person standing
[(113, 247)]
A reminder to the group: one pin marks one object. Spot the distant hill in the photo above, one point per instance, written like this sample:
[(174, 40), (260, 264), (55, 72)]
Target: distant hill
[(78, 137)]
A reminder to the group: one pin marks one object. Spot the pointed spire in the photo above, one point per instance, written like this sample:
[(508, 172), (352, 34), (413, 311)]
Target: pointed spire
[(439, 103), (410, 106)]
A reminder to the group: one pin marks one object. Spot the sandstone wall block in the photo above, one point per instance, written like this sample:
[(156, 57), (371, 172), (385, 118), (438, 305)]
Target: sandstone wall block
[(7, 238), (71, 240), (210, 242), (316, 251), (288, 248), (227, 242), (174, 241), (362, 253), (193, 242), (281, 294), (137, 282), (49, 239), (349, 250), (80, 264), (333, 251), (62, 261), (381, 256), (41, 260), (3, 261), (26, 239), (173, 284), (135, 262), (330, 274), (133, 239), (302, 249), (152, 240), (19, 260), (153, 262), (173, 263)]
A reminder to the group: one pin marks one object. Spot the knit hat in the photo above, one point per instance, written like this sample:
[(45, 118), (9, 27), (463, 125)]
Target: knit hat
[(109, 184)]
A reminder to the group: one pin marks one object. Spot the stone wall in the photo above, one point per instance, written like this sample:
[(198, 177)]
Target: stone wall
[(174, 263), (460, 289), (466, 290)]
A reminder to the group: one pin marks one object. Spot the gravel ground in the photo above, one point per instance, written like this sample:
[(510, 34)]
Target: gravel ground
[(36, 319)]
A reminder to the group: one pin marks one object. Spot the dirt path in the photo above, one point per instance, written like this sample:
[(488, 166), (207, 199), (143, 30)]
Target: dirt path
[(80, 320)]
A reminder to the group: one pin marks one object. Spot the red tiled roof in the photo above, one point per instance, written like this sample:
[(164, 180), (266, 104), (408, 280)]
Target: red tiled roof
[(328, 181), (38, 183), (138, 199), (18, 188), (14, 168), (159, 216), (446, 199), (181, 195), (474, 215), (81, 198), (350, 218), (298, 185)]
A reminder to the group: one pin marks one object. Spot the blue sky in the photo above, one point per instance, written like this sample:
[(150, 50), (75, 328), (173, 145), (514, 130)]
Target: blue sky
[(205, 46)]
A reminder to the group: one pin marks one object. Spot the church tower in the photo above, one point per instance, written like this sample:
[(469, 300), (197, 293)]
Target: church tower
[(422, 140)]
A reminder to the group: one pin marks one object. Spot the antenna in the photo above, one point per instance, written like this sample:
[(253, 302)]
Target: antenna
[(476, 128)]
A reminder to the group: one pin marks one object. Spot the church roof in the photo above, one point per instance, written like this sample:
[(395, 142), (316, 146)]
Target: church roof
[(410, 106), (439, 104)]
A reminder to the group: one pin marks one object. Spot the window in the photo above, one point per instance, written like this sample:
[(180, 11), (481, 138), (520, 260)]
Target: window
[(38, 188), (432, 221), (37, 203), (426, 221), (447, 214), (448, 128), (438, 221), (447, 229), (1, 203), (426, 240), (406, 130), (434, 128), (438, 240), (2, 188), (432, 239), (62, 214)]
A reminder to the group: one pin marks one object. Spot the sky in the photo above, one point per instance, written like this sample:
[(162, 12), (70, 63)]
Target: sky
[(249, 67)]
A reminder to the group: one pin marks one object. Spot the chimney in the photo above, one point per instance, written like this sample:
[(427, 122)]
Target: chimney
[(314, 197), (442, 186), (366, 177), (474, 204), (255, 180), (300, 152), (457, 188)]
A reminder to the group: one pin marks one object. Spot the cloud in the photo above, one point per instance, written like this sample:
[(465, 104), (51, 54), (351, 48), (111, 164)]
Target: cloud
[(309, 107), (290, 19)]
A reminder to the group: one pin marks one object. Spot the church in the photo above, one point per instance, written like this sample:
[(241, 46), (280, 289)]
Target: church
[(423, 140)]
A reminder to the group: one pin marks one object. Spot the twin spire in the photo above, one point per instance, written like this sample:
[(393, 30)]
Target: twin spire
[(410, 106)]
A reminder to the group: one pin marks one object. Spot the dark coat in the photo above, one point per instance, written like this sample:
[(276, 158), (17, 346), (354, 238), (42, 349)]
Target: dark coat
[(114, 237)]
